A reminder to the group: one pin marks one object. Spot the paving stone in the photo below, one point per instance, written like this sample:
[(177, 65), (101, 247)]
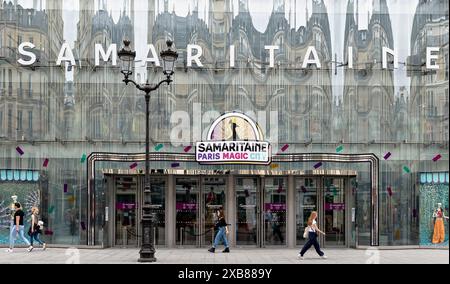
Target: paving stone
[(237, 256)]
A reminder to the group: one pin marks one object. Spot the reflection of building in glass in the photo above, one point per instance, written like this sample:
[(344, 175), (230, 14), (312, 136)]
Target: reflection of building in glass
[(105, 107), (429, 88), (69, 111), (368, 89), (30, 97), (401, 117), (302, 98)]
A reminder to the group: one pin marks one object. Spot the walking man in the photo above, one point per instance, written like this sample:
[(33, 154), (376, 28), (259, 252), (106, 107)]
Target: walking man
[(18, 228)]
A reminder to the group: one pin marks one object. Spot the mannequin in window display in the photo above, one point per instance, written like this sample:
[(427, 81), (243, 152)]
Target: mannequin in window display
[(439, 228), (211, 197), (250, 215), (187, 188), (127, 223), (276, 227)]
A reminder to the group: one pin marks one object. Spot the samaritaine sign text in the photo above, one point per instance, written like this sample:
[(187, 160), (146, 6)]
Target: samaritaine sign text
[(195, 52), (234, 138)]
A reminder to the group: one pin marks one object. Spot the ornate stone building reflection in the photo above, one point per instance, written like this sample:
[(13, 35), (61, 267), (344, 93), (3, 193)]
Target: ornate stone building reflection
[(302, 99), (31, 98), (368, 89), (429, 88), (104, 106)]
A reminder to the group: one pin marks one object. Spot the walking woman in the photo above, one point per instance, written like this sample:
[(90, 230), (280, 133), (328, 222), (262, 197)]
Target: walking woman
[(312, 237), (222, 227), (35, 229)]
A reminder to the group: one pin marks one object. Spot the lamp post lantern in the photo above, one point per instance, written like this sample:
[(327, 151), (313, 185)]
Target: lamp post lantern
[(127, 57)]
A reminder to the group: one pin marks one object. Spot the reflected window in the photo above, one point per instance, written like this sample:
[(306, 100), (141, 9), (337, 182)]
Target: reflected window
[(423, 178), (436, 178), (429, 178)]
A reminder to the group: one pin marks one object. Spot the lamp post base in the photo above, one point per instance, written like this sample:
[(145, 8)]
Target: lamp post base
[(147, 255), (146, 260), (147, 252)]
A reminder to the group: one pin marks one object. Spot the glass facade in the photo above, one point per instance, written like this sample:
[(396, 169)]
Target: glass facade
[(318, 76)]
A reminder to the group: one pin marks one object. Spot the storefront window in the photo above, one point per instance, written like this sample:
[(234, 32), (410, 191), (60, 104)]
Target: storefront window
[(305, 94), (306, 202)]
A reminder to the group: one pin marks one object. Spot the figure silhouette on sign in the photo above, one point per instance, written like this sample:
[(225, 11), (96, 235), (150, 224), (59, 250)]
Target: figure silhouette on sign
[(234, 127)]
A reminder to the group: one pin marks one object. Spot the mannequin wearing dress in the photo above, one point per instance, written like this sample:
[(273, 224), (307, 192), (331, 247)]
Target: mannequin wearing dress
[(439, 228)]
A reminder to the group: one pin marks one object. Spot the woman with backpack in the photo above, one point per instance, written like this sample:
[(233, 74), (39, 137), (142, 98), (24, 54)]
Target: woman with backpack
[(222, 227), (311, 232), (35, 229)]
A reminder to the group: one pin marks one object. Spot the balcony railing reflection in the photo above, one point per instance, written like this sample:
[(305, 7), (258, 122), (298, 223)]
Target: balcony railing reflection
[(41, 57), (7, 53)]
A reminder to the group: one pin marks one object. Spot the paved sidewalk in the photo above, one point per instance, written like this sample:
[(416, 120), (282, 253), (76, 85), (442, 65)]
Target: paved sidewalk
[(237, 256)]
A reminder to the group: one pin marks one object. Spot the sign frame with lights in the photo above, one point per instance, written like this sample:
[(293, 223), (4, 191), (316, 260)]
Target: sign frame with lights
[(249, 149)]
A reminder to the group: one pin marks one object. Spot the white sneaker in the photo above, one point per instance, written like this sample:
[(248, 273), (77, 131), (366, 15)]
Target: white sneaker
[(300, 257), (30, 249), (9, 250), (324, 257)]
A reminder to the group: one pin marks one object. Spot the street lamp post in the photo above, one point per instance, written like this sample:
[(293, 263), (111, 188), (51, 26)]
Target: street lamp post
[(127, 57)]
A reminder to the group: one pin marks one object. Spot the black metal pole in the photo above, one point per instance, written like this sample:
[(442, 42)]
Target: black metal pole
[(147, 252)]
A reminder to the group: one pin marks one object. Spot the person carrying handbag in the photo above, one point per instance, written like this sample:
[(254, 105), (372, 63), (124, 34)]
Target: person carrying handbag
[(311, 232), (306, 232), (35, 229)]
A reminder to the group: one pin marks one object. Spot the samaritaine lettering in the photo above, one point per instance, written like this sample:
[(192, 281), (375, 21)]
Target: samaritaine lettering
[(232, 147), (195, 52)]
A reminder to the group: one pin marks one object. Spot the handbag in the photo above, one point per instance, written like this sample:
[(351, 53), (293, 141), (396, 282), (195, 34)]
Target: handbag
[(306, 232), (36, 229)]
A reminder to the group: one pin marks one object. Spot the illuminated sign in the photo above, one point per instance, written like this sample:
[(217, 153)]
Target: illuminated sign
[(234, 138)]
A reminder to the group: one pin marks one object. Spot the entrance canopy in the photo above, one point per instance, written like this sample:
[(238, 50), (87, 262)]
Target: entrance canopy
[(95, 176)]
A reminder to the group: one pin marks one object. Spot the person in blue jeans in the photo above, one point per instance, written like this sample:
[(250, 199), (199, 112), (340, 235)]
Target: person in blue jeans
[(222, 233), (35, 229), (18, 228), (312, 237)]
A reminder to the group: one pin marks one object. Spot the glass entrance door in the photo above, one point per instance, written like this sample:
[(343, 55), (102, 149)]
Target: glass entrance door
[(214, 197), (187, 208), (126, 225), (306, 203), (247, 212), (158, 201), (126, 200), (197, 201), (261, 211), (330, 198), (275, 190), (335, 211)]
